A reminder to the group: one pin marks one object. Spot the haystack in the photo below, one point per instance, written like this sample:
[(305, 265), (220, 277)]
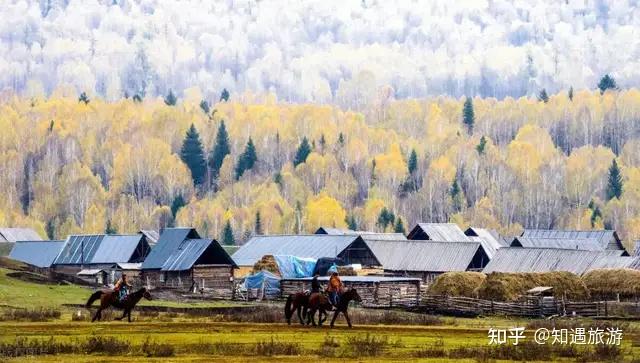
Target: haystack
[(511, 286), (609, 283), (457, 284), (346, 271), (267, 262)]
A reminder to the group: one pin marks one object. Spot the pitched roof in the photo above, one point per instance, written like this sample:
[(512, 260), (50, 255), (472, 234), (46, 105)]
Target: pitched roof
[(151, 235), (363, 234), (186, 255), (438, 232), (608, 239), (513, 259), (422, 255), (311, 246), (169, 241), (586, 244), (18, 234), (100, 248), (490, 239), (36, 253)]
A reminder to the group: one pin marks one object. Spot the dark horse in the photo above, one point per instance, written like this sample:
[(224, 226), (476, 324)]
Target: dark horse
[(109, 298), (345, 298), (298, 301), (320, 303)]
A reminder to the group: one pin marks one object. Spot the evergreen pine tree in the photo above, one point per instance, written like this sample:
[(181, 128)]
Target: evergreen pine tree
[(399, 227), (571, 93), (50, 228), (543, 96), (247, 159), (224, 96), (193, 155), (170, 99), (341, 139), (385, 218), (351, 222), (595, 214), (227, 235), (323, 143), (220, 150), (204, 106), (51, 124), (412, 165), (482, 145), (110, 229), (137, 98), (302, 153), (468, 115), (456, 196), (607, 82), (84, 98), (614, 183), (178, 202), (258, 227)]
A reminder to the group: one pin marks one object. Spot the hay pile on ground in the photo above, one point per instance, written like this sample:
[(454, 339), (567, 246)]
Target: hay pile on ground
[(457, 284), (267, 262), (511, 286), (346, 271), (608, 283)]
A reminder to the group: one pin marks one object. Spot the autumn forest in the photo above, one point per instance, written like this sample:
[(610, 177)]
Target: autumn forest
[(247, 164)]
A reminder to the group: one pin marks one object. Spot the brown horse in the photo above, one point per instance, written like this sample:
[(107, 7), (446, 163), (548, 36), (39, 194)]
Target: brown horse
[(320, 303), (296, 302), (343, 304), (110, 298)]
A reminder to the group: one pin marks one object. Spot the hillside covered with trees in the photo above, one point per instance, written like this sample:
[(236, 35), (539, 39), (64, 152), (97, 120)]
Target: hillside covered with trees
[(250, 164)]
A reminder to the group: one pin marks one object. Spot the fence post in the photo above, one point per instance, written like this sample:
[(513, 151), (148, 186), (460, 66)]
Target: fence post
[(606, 309), (493, 312)]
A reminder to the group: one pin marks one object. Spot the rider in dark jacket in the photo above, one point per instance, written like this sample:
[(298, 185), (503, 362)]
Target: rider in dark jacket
[(315, 284)]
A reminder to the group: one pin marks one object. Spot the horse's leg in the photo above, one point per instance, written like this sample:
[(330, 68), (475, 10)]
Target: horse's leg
[(321, 318), (335, 316), (312, 317), (124, 313), (346, 316), (129, 316), (95, 316), (300, 314)]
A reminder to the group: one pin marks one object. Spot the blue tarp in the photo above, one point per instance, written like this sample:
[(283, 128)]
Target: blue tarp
[(264, 278), (292, 267)]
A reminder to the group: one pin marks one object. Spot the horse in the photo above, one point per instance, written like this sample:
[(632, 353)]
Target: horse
[(343, 304), (109, 298), (298, 301), (320, 303)]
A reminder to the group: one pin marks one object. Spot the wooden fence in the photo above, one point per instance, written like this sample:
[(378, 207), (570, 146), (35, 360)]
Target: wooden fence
[(464, 306)]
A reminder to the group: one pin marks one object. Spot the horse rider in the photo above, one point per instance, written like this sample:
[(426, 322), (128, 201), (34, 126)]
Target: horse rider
[(335, 288), (315, 284), (122, 287)]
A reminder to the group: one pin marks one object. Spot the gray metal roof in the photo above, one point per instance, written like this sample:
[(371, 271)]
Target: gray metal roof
[(90, 272), (129, 265), (169, 241), (492, 237), (311, 246), (515, 259), (36, 253), (100, 248), (424, 255), (117, 248), (18, 234), (363, 234), (449, 232), (151, 235), (186, 255), (604, 237), (586, 244)]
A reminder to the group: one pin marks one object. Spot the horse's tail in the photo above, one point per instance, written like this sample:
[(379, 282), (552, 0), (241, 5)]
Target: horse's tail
[(287, 308), (95, 296)]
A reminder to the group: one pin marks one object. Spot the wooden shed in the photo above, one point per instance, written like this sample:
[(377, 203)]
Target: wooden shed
[(185, 261), (375, 291)]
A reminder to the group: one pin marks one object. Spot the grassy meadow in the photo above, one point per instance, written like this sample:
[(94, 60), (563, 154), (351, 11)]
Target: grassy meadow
[(36, 326)]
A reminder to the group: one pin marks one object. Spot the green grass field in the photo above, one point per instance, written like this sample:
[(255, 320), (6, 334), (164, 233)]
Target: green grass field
[(186, 338)]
